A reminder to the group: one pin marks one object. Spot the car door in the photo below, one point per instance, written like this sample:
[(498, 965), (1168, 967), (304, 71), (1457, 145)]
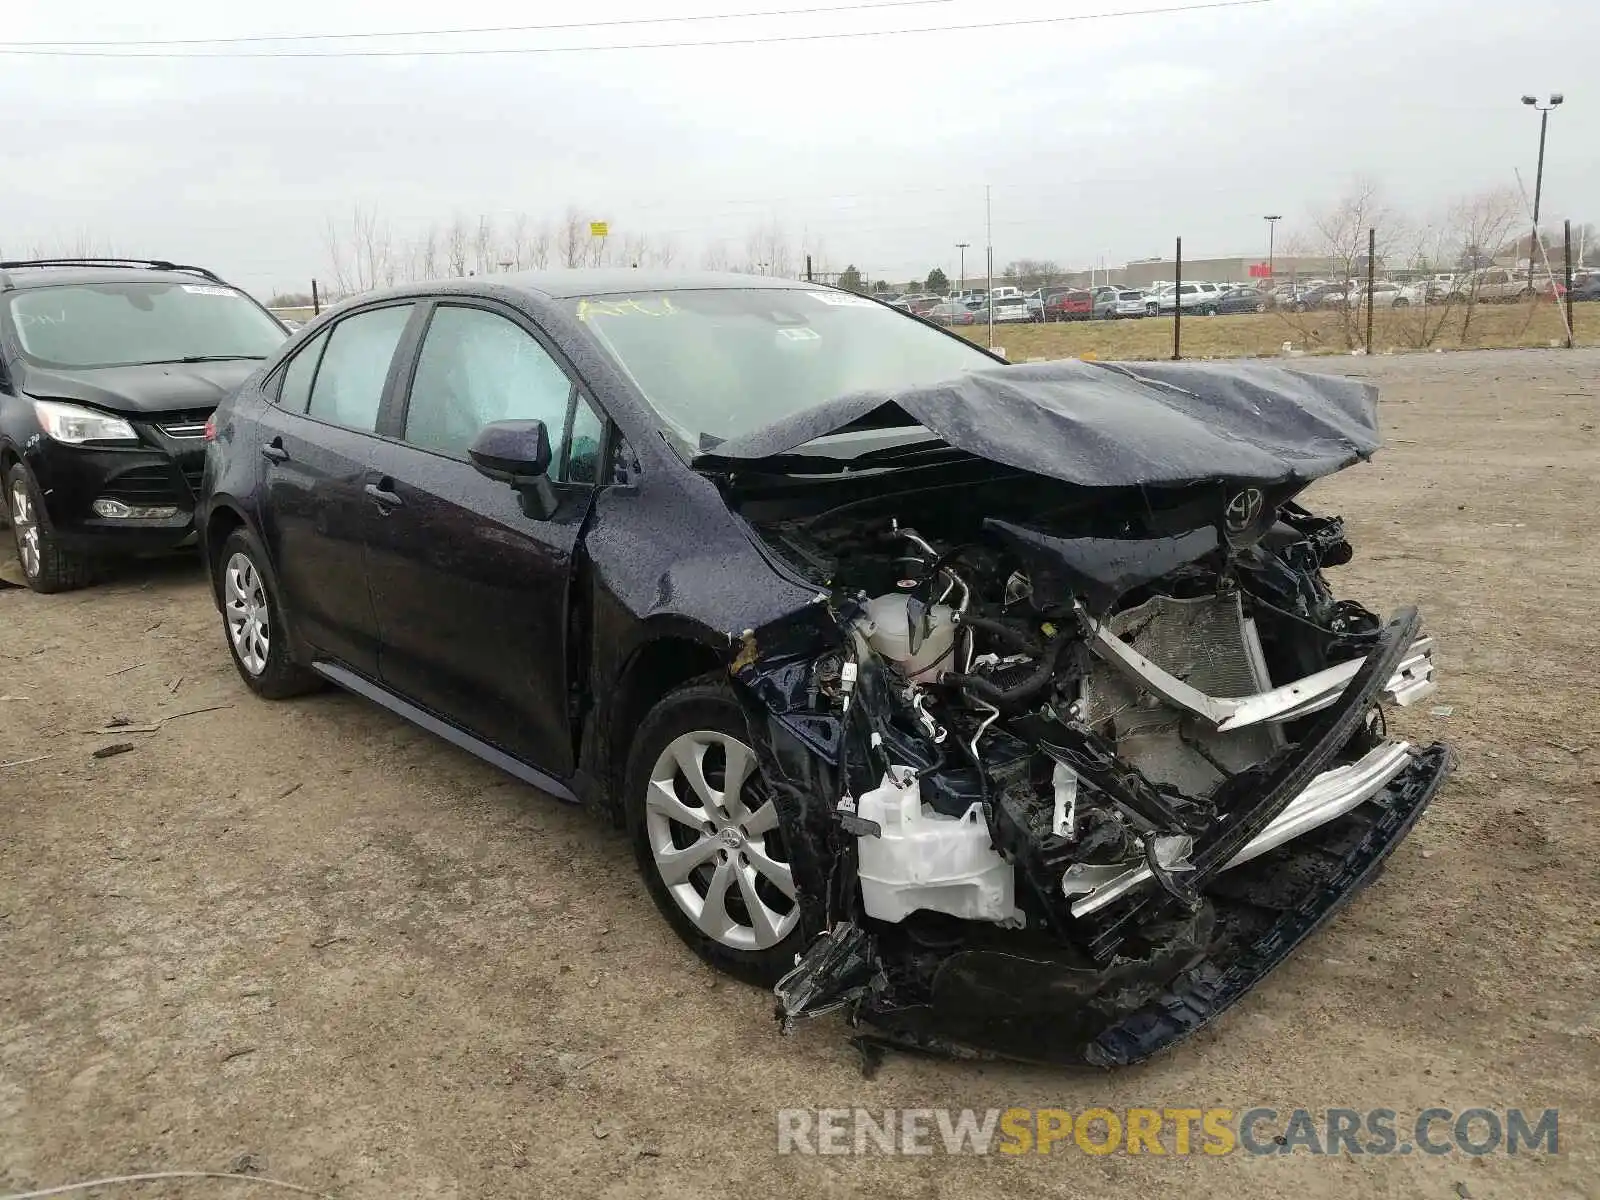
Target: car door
[(471, 591), (318, 444)]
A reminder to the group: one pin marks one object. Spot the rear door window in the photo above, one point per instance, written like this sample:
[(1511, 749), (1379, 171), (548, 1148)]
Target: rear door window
[(294, 385), (349, 382)]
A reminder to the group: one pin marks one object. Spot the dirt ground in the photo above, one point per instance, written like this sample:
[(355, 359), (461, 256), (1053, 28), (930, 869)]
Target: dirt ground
[(312, 934)]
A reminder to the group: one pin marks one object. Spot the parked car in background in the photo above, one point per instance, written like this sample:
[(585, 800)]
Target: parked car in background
[(950, 312), (1242, 300), (1117, 305), (1198, 296), (1007, 310), (1035, 306), (1074, 305), (109, 370), (1588, 289), (1322, 295), (921, 304), (1501, 285)]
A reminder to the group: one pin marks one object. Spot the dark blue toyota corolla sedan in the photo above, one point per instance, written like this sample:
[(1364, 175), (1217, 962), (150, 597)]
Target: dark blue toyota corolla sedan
[(1000, 706)]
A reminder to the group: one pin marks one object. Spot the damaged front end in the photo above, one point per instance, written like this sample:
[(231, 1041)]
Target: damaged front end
[(1067, 766)]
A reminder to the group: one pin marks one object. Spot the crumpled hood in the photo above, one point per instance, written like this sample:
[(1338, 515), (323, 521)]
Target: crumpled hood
[(146, 388), (1116, 424)]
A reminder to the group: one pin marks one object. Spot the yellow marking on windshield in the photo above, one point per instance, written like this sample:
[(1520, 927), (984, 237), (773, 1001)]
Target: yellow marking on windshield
[(660, 307)]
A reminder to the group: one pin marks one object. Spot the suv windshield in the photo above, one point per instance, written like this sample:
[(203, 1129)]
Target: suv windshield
[(120, 324), (725, 362)]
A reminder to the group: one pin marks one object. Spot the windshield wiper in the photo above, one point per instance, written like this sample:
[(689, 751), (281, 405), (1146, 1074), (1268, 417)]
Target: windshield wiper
[(203, 358)]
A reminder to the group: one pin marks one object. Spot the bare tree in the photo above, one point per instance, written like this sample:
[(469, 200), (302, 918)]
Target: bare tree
[(767, 251), (1338, 234), (539, 247), (1479, 224), (484, 249), (362, 255), (715, 257), (515, 251), (663, 252), (635, 249), (425, 256), (572, 239), (457, 243)]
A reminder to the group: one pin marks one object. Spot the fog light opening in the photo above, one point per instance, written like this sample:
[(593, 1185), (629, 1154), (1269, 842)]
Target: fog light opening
[(116, 510)]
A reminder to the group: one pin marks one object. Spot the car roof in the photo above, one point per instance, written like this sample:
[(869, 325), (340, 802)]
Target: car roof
[(19, 275), (610, 281)]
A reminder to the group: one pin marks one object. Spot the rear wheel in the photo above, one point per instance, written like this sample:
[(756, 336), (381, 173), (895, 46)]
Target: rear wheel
[(46, 567), (252, 618), (705, 832)]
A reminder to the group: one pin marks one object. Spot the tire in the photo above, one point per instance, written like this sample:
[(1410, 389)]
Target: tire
[(1261, 306), (1210, 310), (1300, 306), (719, 846), (252, 622), (46, 567), (1401, 302)]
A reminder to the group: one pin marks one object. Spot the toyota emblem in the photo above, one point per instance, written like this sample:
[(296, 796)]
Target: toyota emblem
[(1244, 510)]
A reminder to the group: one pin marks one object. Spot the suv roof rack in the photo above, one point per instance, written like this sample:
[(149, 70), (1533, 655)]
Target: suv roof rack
[(150, 264)]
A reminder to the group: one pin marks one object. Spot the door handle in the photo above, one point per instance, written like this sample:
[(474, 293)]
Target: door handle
[(383, 492), (273, 451)]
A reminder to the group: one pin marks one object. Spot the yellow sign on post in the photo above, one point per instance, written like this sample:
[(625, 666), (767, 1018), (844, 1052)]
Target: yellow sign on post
[(599, 229)]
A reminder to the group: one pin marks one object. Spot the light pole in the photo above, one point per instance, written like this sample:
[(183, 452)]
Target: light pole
[(1272, 230), (1538, 176), (961, 284)]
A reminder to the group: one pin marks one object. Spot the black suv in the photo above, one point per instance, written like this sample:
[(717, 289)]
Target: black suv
[(109, 371)]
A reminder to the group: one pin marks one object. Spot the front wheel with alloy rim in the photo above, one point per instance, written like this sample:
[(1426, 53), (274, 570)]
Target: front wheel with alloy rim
[(46, 567), (252, 620), (706, 834)]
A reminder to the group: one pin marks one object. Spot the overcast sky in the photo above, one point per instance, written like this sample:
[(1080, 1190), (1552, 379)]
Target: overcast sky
[(1100, 139)]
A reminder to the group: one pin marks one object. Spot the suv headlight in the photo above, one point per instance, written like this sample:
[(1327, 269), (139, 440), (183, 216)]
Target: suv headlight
[(75, 426)]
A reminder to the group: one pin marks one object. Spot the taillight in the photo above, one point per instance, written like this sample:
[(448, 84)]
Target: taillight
[(211, 429)]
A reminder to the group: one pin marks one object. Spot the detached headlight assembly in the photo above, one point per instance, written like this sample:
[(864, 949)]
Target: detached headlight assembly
[(75, 426)]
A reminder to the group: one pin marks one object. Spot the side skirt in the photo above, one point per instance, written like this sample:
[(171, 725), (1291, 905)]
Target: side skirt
[(381, 696)]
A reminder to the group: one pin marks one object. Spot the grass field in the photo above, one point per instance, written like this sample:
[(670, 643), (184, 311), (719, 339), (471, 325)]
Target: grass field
[(1396, 331)]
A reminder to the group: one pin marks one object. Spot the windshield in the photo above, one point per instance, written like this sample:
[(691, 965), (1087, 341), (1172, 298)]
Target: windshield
[(120, 324), (716, 364)]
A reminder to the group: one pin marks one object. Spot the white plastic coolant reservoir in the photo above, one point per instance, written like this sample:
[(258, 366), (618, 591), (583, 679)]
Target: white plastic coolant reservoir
[(924, 859), (889, 634)]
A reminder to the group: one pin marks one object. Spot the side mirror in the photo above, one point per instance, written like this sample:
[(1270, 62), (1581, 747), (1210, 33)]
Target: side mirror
[(517, 453)]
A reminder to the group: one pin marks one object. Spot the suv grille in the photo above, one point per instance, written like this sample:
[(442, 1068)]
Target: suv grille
[(155, 483), (185, 425)]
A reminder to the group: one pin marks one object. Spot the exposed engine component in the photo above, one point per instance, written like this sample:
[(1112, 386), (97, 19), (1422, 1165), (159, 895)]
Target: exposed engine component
[(916, 638), (922, 859)]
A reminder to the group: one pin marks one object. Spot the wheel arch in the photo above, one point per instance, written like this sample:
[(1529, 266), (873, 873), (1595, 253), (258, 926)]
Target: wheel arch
[(660, 664), (222, 518)]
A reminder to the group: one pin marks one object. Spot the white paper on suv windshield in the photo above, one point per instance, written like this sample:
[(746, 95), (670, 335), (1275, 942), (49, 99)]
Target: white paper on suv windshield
[(120, 324)]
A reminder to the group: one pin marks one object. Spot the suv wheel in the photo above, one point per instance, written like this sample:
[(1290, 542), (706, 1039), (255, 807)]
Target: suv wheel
[(705, 832), (45, 565), (252, 619)]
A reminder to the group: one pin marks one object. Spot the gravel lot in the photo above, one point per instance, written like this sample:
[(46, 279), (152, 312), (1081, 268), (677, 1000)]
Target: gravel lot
[(311, 934)]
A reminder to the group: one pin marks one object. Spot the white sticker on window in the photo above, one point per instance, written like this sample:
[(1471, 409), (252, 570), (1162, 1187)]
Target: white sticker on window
[(201, 289), (798, 333), (844, 298)]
